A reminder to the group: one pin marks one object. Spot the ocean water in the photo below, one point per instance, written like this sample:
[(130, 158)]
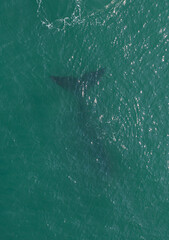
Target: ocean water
[(55, 182)]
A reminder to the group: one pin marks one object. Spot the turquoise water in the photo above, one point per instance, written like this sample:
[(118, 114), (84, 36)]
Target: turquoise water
[(52, 185)]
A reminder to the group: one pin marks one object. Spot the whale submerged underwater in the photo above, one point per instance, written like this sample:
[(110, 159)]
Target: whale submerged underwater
[(79, 87)]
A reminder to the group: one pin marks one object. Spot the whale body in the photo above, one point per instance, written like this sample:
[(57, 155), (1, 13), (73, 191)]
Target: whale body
[(79, 86)]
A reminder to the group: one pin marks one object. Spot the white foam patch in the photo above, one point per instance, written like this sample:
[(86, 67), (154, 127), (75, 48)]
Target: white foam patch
[(76, 17)]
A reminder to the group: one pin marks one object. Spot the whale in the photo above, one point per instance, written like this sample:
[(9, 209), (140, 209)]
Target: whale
[(79, 87)]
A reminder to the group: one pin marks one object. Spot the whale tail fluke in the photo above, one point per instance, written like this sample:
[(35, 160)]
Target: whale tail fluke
[(78, 84)]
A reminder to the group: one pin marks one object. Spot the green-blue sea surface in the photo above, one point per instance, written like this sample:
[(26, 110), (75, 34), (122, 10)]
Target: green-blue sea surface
[(89, 167)]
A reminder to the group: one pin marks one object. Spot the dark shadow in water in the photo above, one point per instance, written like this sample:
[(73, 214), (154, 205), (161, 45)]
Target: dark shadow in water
[(90, 133)]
